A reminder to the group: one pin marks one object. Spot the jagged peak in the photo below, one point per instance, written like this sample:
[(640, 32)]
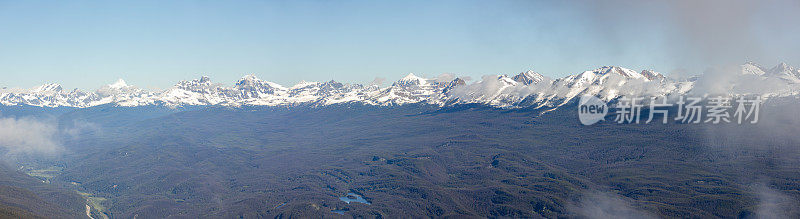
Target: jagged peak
[(785, 72), (507, 80), (118, 87), (752, 68), (528, 77), (751, 63), (205, 79), (49, 87), (412, 79), (454, 83), (119, 84), (247, 80), (499, 90), (782, 67), (251, 81), (304, 83), (605, 69), (458, 81), (249, 77), (627, 73), (531, 73), (331, 82), (652, 74)]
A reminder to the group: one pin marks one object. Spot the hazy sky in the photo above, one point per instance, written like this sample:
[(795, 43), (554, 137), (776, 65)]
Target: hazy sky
[(153, 44)]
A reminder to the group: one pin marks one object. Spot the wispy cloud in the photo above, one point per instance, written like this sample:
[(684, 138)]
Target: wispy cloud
[(775, 204), (27, 135), (606, 205), (697, 34)]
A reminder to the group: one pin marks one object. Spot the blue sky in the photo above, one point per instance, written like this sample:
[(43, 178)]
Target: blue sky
[(153, 44)]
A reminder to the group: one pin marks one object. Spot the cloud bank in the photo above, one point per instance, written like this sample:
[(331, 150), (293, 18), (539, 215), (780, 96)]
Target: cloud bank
[(695, 34), (26, 135)]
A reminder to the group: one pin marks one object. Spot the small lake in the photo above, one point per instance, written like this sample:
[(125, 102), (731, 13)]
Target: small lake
[(353, 197)]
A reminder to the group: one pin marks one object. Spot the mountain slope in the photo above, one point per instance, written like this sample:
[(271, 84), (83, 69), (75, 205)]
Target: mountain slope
[(421, 160), (22, 196)]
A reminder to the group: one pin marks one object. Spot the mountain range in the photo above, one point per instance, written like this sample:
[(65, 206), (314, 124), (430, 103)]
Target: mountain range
[(526, 89), (417, 148)]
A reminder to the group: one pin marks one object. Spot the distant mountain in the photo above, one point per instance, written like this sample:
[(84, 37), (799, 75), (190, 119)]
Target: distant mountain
[(528, 78), (753, 69), (526, 89), (784, 72)]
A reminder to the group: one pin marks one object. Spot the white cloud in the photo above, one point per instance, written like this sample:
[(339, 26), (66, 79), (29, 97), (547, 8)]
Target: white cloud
[(26, 135), (774, 204), (607, 205)]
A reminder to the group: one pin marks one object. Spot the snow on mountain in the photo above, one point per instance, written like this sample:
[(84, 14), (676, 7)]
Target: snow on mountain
[(526, 89), (409, 89), (784, 72), (751, 68), (457, 82), (652, 75), (779, 81), (195, 92), (411, 79), (122, 94), (331, 92), (499, 91), (250, 90), (529, 77), (51, 87), (252, 87), (120, 84), (607, 82), (47, 95)]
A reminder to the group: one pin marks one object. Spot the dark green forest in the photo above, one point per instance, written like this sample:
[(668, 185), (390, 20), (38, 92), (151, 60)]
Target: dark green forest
[(406, 161)]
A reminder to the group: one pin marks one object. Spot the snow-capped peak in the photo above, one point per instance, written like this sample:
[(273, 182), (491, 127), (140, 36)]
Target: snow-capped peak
[(752, 69), (784, 72), (627, 73), (525, 89), (250, 77), (783, 65), (202, 83), (303, 84), (251, 81), (598, 76), (506, 80), (412, 79), (652, 75), (782, 68), (50, 87), (119, 84), (528, 77), (247, 80), (117, 87)]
